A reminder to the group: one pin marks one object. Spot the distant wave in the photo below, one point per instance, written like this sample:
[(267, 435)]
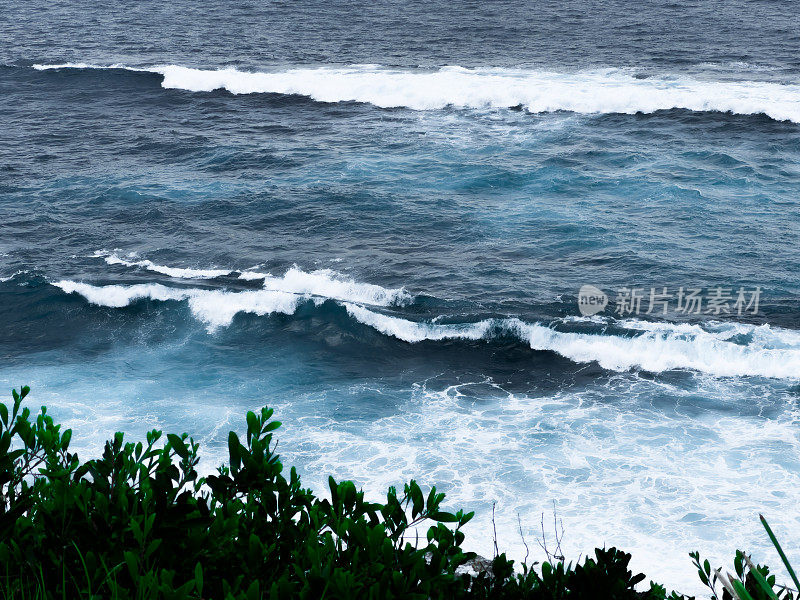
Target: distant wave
[(599, 91), (716, 348)]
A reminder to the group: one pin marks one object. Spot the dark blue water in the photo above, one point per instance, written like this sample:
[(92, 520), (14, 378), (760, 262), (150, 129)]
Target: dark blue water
[(377, 219)]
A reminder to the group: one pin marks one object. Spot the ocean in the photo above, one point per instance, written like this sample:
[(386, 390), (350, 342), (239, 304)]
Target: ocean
[(378, 219)]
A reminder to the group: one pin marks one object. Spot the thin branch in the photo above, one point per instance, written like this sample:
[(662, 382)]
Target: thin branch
[(494, 527), (524, 543)]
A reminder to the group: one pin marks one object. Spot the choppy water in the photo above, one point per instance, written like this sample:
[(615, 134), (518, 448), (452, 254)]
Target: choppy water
[(377, 219)]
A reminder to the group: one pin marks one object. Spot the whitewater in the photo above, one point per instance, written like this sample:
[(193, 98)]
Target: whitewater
[(377, 221), (712, 347), (586, 92)]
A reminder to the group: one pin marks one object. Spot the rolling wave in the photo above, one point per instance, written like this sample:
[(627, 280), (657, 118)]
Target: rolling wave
[(216, 308), (322, 283), (587, 92), (715, 348)]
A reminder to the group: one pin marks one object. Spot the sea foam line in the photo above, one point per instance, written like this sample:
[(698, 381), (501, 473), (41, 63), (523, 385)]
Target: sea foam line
[(654, 347), (112, 258), (587, 92)]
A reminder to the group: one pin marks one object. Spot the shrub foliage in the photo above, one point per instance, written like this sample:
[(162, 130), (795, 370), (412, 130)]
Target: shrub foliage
[(139, 522)]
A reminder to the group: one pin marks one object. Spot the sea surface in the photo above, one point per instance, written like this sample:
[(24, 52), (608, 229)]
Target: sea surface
[(376, 218)]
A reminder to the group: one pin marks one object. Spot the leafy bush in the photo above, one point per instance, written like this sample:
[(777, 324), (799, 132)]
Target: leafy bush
[(140, 523), (750, 581)]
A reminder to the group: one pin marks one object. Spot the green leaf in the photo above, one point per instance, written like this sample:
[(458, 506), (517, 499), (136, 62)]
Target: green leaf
[(347, 490), (252, 424), (4, 414), (198, 578), (234, 451), (444, 517), (177, 444), (152, 547), (334, 489), (741, 592), (780, 551), (760, 579), (417, 499), (252, 591), (133, 568)]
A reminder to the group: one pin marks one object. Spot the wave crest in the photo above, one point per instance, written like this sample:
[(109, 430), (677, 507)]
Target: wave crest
[(587, 92), (655, 347), (322, 283)]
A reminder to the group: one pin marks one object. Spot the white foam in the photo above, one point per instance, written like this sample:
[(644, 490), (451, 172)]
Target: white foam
[(597, 91), (326, 283), (773, 352), (177, 272), (13, 275), (650, 346), (655, 482), (653, 468), (251, 275), (666, 346), (118, 296), (216, 308), (322, 283), (412, 331), (75, 65)]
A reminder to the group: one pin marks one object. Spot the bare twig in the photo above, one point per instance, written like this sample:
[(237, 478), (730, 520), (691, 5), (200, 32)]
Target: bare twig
[(524, 543), (556, 555), (556, 523), (494, 528)]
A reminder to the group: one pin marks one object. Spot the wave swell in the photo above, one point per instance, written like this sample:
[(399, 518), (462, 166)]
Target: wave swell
[(715, 348), (586, 92)]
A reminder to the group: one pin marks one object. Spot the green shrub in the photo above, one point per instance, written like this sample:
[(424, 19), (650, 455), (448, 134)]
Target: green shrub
[(139, 523), (749, 581)]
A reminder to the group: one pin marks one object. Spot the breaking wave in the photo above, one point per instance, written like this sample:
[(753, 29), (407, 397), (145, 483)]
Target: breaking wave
[(588, 92), (322, 283), (715, 348)]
